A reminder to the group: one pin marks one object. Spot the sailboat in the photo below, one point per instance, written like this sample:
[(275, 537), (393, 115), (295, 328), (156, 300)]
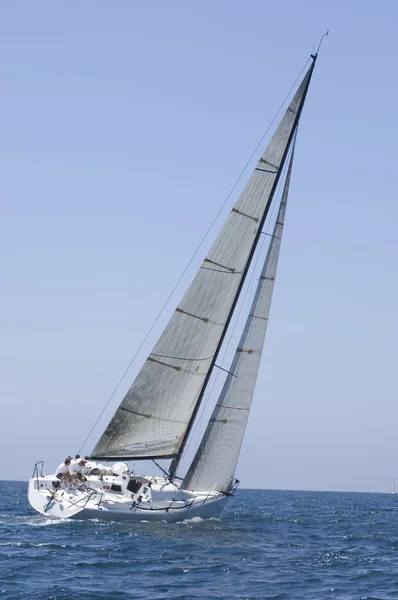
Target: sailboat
[(155, 418), (393, 486)]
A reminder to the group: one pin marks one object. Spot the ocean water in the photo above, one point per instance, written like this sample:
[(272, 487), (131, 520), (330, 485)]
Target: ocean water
[(268, 544)]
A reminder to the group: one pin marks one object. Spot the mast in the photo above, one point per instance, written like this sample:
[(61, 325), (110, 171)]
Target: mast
[(177, 459)]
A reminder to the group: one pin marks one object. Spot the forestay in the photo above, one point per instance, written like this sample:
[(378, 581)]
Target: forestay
[(154, 415), (214, 464)]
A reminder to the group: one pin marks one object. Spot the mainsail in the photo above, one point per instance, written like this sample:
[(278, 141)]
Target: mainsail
[(156, 414), (214, 464)]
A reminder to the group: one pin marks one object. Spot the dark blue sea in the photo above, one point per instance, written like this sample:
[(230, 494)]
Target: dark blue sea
[(268, 544)]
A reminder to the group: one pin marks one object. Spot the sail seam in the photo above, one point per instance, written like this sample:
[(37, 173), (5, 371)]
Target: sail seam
[(180, 310), (221, 271), (181, 358), (270, 235), (232, 407), (266, 162), (238, 212), (134, 412), (159, 362), (265, 170), (232, 269)]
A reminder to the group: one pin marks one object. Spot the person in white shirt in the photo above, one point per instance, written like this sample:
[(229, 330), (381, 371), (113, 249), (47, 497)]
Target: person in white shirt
[(63, 468), (77, 470)]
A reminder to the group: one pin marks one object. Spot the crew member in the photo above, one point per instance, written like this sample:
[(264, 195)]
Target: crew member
[(77, 470), (63, 468)]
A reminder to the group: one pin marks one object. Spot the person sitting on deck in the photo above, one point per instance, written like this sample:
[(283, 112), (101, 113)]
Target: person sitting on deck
[(62, 472), (63, 468), (77, 470)]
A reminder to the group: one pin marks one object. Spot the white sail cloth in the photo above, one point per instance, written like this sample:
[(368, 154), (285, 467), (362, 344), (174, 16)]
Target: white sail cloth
[(214, 464), (154, 415)]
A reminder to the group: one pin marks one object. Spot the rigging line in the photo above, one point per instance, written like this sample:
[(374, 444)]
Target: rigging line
[(270, 225), (192, 258)]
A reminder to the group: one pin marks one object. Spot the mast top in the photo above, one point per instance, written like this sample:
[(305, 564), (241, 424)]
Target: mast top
[(315, 56)]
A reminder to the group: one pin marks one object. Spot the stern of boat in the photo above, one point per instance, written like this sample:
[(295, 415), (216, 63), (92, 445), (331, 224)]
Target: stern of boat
[(46, 498)]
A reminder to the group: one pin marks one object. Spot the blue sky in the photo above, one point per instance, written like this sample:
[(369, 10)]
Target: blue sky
[(124, 126)]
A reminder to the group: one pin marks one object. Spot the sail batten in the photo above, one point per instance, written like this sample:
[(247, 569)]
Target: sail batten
[(170, 388), (214, 464)]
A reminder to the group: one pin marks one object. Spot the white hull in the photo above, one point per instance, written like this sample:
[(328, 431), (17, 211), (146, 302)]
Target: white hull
[(97, 503), (211, 510)]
